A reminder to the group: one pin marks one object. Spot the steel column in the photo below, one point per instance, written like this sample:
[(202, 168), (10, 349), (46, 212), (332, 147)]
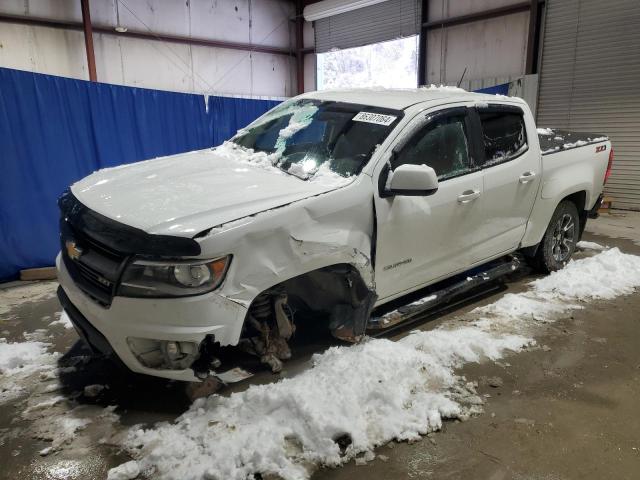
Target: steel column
[(300, 45), (422, 46), (532, 40), (88, 40)]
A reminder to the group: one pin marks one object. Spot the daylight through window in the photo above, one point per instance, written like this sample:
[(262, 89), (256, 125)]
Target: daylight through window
[(387, 64)]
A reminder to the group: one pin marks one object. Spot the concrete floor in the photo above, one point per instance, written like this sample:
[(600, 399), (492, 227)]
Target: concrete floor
[(565, 411)]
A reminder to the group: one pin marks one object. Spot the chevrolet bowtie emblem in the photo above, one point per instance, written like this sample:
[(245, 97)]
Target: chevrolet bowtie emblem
[(73, 251)]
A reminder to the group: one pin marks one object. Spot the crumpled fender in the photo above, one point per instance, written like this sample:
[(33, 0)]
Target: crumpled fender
[(276, 245)]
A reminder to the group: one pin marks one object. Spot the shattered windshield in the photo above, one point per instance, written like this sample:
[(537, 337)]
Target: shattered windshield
[(304, 136)]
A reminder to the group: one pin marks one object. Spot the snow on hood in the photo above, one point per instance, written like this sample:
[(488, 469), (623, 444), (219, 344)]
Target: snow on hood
[(184, 194)]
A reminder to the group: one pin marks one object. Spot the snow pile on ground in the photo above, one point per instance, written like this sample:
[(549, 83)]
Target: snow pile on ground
[(545, 131), (372, 392), (58, 421), (70, 426), (22, 356), (126, 471), (20, 360), (369, 393), (604, 276)]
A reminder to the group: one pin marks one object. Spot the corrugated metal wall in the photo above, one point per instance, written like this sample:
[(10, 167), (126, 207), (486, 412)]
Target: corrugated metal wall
[(493, 47), (590, 81), (377, 23)]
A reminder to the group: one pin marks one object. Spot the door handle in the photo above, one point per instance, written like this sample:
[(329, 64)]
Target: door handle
[(468, 196), (526, 177)]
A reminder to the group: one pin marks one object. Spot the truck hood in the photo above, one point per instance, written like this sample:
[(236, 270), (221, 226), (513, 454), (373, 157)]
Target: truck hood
[(185, 194)]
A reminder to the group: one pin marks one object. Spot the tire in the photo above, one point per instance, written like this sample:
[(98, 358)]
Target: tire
[(559, 241)]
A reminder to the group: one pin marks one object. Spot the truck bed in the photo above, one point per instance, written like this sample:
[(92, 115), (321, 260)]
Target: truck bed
[(554, 140)]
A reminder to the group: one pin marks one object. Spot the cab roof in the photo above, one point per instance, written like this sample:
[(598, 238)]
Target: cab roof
[(401, 98)]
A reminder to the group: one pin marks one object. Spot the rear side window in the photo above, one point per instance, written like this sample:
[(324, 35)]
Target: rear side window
[(504, 135)]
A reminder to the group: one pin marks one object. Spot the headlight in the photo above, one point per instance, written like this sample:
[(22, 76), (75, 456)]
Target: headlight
[(145, 278)]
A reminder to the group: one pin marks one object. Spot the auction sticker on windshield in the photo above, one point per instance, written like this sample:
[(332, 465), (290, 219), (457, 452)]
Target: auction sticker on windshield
[(377, 118)]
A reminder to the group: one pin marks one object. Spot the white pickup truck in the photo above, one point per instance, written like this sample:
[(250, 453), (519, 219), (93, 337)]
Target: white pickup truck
[(325, 209)]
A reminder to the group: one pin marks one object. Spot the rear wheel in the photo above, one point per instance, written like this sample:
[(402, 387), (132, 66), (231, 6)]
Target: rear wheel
[(559, 241)]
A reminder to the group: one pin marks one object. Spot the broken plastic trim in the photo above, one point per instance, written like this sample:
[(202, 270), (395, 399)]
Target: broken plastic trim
[(206, 359), (349, 321), (122, 238)]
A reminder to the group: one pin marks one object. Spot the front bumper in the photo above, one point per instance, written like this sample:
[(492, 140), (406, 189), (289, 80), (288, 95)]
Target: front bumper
[(186, 319)]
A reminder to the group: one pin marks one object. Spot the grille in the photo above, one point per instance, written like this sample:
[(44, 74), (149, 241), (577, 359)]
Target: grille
[(94, 268)]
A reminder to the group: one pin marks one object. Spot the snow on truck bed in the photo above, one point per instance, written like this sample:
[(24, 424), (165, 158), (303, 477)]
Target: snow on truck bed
[(553, 140), (356, 398)]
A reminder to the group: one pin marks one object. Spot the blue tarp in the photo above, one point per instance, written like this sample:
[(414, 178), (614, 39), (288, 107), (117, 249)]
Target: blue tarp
[(502, 89), (55, 130)]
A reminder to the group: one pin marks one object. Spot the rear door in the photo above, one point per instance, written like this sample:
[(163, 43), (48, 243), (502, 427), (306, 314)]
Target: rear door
[(511, 175), (421, 239)]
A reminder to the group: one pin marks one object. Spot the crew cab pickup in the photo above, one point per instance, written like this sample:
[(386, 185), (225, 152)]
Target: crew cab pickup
[(325, 209)]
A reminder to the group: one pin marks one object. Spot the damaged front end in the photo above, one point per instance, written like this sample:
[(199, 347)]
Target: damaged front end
[(336, 294), (269, 326), (349, 318)]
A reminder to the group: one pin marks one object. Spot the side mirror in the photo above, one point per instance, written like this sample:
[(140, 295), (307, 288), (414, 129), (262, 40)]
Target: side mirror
[(413, 180)]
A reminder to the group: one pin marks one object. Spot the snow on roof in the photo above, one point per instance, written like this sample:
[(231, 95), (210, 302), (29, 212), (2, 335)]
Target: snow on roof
[(400, 98)]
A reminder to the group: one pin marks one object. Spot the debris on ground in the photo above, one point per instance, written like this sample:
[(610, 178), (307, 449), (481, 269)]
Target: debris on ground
[(585, 245), (126, 471), (368, 456), (45, 451), (495, 382), (91, 391), (63, 321), (525, 421)]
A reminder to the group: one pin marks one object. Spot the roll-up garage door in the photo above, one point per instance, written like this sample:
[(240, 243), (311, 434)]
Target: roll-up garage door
[(590, 81), (376, 23)]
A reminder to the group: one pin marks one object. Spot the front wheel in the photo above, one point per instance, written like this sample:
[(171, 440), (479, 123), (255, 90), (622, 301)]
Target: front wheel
[(559, 241)]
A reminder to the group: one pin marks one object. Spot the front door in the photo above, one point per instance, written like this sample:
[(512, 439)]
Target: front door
[(421, 239)]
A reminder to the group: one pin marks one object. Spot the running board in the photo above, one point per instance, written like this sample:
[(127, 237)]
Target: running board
[(444, 295)]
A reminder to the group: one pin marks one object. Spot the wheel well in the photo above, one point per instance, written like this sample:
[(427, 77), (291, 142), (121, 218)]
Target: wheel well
[(579, 199), (336, 292)]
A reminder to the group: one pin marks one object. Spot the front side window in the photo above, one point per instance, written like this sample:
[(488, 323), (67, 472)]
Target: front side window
[(504, 135), (303, 136), (441, 145)]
